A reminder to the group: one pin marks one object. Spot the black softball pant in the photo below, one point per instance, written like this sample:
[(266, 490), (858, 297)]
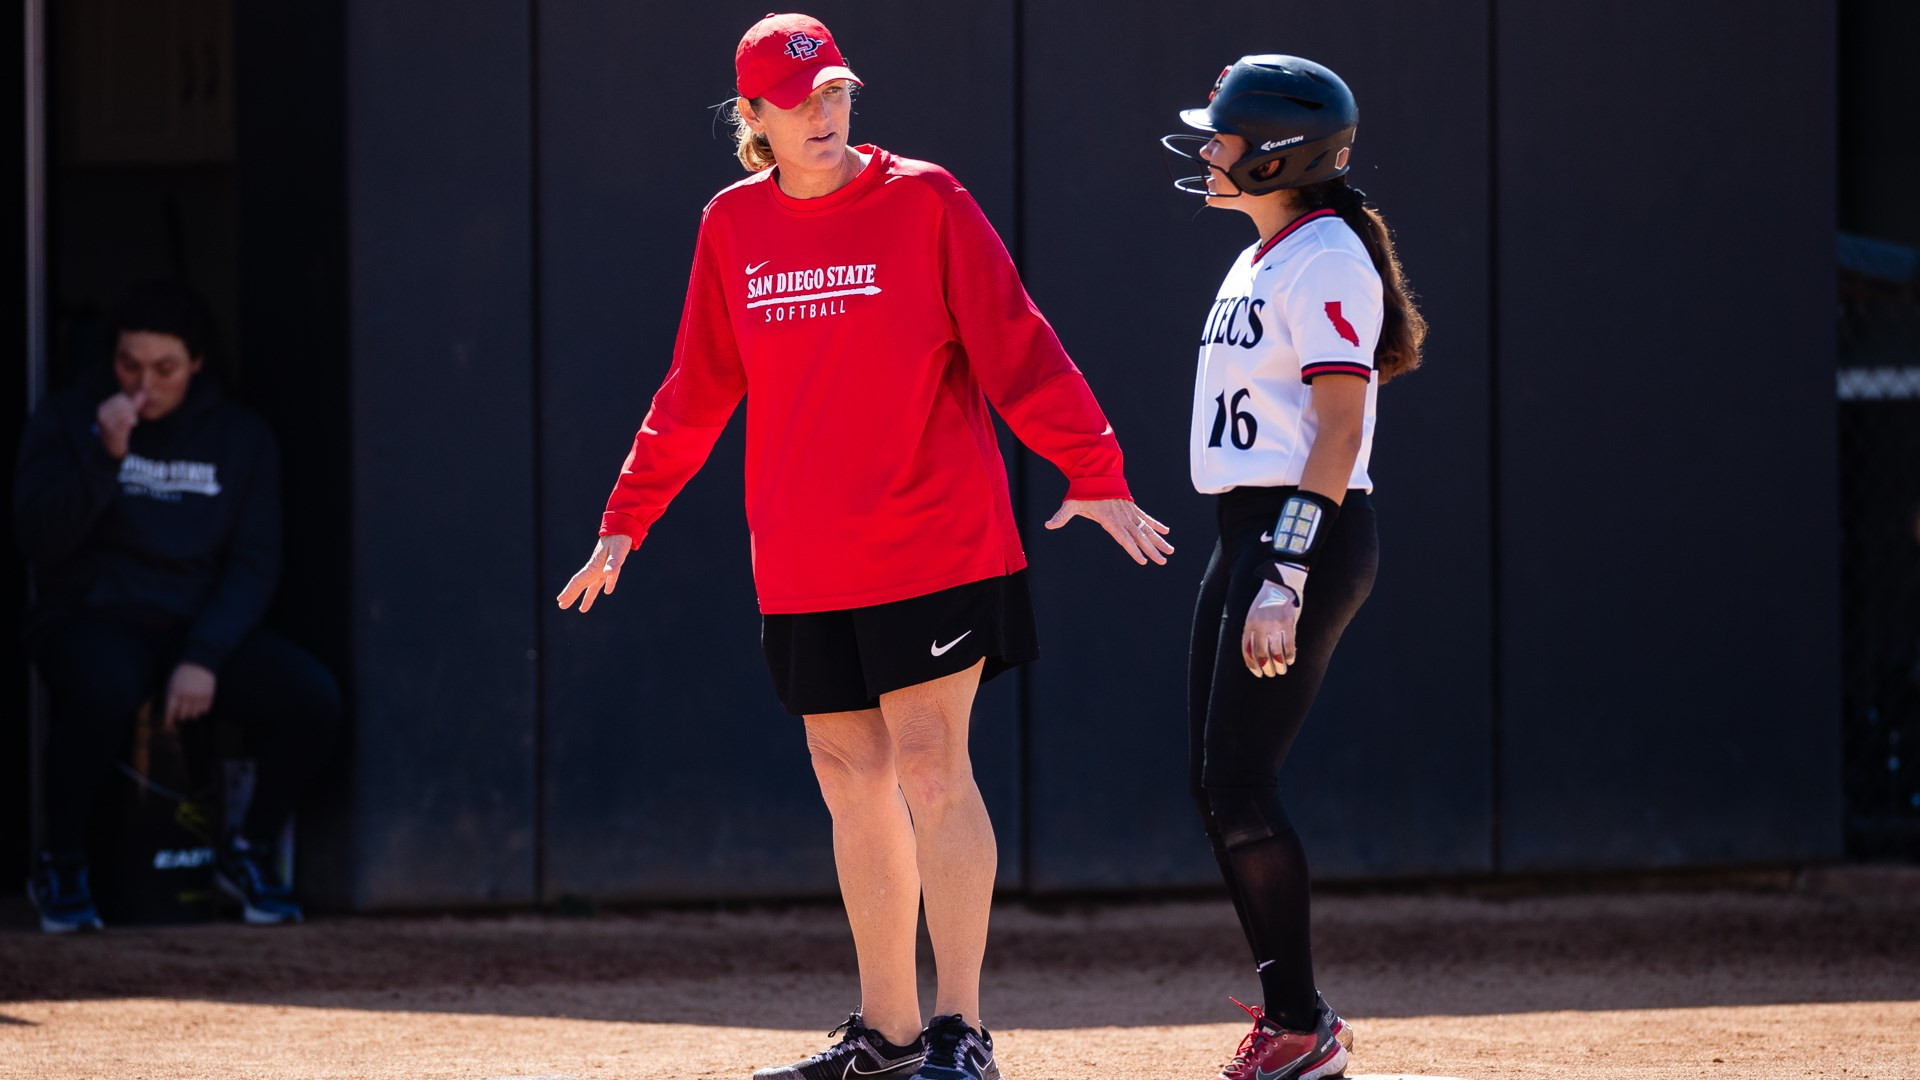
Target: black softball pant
[(1240, 728), (100, 668)]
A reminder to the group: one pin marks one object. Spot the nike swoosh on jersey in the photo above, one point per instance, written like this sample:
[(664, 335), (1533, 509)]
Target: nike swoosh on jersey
[(755, 268), (1266, 538), (942, 650)]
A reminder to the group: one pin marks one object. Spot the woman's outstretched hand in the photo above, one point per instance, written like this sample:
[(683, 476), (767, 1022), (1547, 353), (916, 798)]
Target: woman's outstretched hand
[(1131, 527), (599, 575)]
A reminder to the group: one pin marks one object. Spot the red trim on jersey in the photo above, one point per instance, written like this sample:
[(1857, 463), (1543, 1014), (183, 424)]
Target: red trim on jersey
[(1293, 227), (1309, 372)]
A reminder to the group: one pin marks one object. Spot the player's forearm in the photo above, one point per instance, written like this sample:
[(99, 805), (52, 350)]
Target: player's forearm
[(1329, 467)]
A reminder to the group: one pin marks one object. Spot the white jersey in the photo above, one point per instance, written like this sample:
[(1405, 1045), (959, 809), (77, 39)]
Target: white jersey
[(1304, 304)]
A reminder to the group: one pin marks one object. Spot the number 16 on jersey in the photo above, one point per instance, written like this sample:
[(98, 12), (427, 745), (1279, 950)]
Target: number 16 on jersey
[(1244, 427)]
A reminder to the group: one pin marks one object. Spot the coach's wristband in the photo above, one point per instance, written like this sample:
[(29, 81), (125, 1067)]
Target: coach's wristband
[(1305, 521)]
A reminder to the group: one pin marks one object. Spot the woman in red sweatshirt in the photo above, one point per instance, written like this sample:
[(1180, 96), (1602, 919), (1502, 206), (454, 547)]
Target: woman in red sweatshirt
[(873, 313)]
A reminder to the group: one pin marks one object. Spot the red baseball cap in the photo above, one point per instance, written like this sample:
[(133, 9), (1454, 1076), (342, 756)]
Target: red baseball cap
[(783, 58)]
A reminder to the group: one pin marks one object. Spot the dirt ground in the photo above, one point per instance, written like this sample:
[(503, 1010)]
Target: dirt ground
[(1814, 975)]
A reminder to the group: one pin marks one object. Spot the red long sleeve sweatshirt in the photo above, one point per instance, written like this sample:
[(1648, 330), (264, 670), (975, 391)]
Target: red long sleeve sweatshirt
[(868, 329)]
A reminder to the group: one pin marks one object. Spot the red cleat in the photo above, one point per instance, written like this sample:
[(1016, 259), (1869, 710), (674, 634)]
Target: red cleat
[(1270, 1053)]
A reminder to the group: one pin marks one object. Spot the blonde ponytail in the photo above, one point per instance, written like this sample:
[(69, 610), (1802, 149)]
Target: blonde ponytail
[(752, 148)]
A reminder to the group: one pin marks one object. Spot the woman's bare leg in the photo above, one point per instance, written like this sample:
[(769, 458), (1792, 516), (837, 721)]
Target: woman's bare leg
[(873, 851), (954, 838)]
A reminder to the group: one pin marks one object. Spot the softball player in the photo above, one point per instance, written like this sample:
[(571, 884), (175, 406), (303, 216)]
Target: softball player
[(1309, 321), (873, 313)]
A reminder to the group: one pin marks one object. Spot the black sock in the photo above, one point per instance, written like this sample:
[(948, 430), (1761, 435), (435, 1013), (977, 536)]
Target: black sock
[(1272, 874)]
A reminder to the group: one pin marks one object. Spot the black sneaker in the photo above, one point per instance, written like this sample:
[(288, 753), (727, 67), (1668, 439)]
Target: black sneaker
[(246, 875), (862, 1053), (957, 1052), (58, 889)]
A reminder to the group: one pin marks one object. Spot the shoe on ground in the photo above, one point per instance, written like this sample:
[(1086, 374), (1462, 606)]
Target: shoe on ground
[(59, 892), (1342, 1031), (957, 1052), (246, 876), (1269, 1052), (861, 1053)]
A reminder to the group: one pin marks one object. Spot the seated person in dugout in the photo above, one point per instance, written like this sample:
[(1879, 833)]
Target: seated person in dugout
[(149, 507)]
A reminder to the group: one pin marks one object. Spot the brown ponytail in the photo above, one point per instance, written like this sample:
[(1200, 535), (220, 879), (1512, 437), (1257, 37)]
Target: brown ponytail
[(1402, 329), (755, 154)]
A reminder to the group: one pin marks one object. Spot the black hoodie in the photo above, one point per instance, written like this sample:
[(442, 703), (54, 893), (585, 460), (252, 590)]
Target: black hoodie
[(186, 528)]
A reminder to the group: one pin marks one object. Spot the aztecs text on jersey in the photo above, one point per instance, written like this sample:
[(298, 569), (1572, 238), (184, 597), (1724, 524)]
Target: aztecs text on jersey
[(1305, 304)]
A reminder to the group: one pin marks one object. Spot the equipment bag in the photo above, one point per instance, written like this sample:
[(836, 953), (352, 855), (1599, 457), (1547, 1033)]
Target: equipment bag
[(157, 826)]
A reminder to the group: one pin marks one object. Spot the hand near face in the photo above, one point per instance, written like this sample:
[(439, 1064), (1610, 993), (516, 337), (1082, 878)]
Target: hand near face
[(116, 418), (189, 695)]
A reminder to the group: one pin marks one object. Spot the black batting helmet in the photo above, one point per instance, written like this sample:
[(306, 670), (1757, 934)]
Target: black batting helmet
[(1289, 110)]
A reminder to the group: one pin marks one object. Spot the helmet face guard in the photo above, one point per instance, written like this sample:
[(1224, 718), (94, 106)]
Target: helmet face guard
[(1308, 160), (1289, 110), (1188, 147)]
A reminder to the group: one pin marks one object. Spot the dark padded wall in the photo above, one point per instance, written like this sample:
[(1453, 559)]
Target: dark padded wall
[(1666, 346), (670, 770), (440, 261), (1878, 155), (290, 161), (1393, 775), (290, 157), (16, 811)]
